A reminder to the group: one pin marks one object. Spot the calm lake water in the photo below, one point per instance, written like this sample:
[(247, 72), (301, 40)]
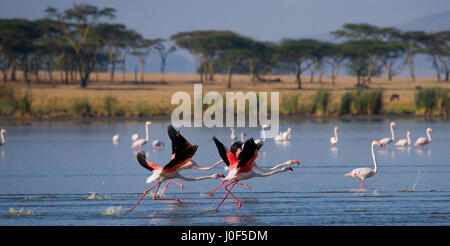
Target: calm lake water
[(50, 171)]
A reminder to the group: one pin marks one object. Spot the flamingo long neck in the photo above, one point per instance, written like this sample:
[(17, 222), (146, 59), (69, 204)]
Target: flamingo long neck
[(207, 168), (269, 173), (428, 136), (373, 157), (194, 179), (392, 132), (257, 168), (408, 139), (335, 134), (3, 138), (242, 137), (146, 132)]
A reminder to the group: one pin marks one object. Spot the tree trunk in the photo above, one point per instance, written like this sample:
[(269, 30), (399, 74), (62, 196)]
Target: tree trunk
[(211, 71), (122, 62), (113, 68), (298, 72), (321, 72), (142, 71), (13, 70), (436, 67), (410, 60), (230, 73)]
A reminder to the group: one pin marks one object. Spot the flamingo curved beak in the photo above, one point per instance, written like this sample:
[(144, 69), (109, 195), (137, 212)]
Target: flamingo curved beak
[(4, 131), (379, 143), (430, 130), (296, 162), (221, 175), (394, 124), (290, 169)]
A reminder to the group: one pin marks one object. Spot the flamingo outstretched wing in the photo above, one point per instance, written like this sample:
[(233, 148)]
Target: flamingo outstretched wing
[(249, 153), (142, 160), (179, 143), (228, 157), (180, 159)]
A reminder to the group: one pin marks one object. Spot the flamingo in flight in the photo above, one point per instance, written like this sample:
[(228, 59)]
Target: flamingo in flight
[(168, 172), (404, 142), (141, 142), (334, 140), (179, 143), (424, 140), (3, 131), (388, 140), (365, 172), (241, 166)]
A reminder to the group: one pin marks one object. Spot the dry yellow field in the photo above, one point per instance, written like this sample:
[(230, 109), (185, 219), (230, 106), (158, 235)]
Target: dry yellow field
[(156, 94)]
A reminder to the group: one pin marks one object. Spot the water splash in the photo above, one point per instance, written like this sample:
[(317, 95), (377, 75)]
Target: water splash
[(21, 211), (113, 211)]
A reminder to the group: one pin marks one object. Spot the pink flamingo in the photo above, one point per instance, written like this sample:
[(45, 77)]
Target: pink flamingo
[(424, 140), (365, 172), (3, 131), (241, 167)]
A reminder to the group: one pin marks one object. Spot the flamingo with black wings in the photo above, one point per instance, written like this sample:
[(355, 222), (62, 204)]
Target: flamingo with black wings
[(240, 165), (170, 171)]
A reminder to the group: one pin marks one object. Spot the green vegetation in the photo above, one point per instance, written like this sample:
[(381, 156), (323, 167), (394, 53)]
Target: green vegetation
[(321, 102), (432, 101), (365, 102)]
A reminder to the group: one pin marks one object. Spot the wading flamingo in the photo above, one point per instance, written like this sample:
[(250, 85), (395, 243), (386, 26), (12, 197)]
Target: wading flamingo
[(232, 136), (365, 172), (404, 142), (115, 139), (424, 140), (158, 144), (168, 172), (134, 137), (388, 140), (179, 143), (141, 142), (241, 167), (283, 136), (334, 140), (3, 131)]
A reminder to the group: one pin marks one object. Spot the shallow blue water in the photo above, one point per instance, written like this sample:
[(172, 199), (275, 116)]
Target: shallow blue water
[(49, 170)]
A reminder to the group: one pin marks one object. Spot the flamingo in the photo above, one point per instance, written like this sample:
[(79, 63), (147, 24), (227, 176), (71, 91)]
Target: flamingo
[(365, 172), (404, 142), (388, 140), (115, 139), (141, 142), (179, 143), (134, 137), (334, 140), (232, 136), (3, 131), (158, 144), (240, 167), (243, 134), (424, 140), (168, 172), (283, 136)]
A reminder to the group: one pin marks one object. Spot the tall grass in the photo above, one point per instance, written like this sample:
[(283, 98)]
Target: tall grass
[(368, 102), (8, 102), (432, 101), (289, 104), (81, 107), (321, 102)]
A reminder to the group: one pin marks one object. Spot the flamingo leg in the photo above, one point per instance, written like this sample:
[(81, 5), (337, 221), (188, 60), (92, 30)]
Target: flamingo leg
[(225, 197), (362, 184), (229, 191), (210, 193), (143, 195), (170, 180), (167, 199)]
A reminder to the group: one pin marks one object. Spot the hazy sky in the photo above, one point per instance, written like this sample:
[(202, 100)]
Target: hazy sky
[(260, 19)]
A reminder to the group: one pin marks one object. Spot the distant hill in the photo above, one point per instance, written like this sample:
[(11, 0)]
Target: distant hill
[(430, 23)]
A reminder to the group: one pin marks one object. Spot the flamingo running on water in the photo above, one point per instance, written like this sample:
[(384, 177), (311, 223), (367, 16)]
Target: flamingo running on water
[(334, 140), (168, 172), (424, 140), (404, 142), (141, 142), (388, 140), (3, 131), (240, 167), (365, 172), (179, 143), (115, 139)]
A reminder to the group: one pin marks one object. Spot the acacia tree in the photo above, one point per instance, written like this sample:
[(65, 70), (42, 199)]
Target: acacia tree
[(334, 57), (413, 45), (142, 49), (163, 52), (299, 53), (436, 45), (78, 24)]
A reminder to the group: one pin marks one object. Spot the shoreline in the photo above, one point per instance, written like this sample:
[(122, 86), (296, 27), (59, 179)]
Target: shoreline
[(164, 119)]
